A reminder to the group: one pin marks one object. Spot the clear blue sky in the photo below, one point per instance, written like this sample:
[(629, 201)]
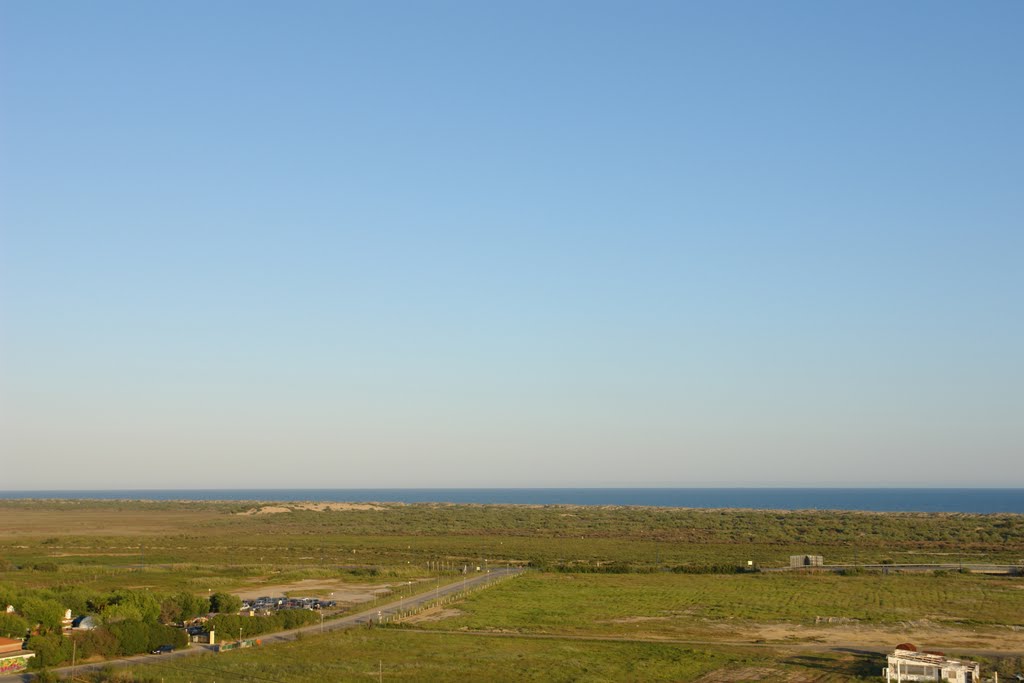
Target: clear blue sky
[(349, 244)]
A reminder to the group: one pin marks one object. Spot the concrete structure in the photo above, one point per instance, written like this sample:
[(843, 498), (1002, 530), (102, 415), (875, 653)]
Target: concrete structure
[(908, 665), (806, 560)]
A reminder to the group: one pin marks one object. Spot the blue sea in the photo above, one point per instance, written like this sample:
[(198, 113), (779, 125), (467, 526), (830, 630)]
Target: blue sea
[(874, 499)]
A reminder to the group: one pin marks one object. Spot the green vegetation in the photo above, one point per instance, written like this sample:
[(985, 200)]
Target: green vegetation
[(230, 624), (360, 654), (687, 606), (225, 603), (133, 621), (170, 545), (640, 577)]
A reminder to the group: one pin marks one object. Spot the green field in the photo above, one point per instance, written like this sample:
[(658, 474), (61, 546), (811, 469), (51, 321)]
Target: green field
[(397, 655), (684, 605)]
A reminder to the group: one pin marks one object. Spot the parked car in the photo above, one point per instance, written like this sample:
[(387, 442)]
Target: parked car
[(162, 649)]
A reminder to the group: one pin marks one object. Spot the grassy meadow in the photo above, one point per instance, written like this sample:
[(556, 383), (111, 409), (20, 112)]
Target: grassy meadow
[(684, 606), (396, 655)]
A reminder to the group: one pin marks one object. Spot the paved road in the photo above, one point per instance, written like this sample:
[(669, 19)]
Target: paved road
[(380, 613)]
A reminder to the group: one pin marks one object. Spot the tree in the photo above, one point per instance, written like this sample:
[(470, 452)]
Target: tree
[(132, 605), (225, 603), (190, 606), (160, 635), (132, 636), (12, 626), (47, 614), (77, 599), (170, 610)]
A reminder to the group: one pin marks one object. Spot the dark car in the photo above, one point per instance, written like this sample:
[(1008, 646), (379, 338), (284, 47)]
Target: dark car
[(162, 649)]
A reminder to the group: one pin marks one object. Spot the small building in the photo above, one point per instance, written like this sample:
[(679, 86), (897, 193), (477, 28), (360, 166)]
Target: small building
[(13, 659), (198, 634), (806, 561), (908, 665)]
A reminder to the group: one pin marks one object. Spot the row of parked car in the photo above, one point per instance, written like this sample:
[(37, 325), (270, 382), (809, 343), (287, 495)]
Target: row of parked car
[(268, 603)]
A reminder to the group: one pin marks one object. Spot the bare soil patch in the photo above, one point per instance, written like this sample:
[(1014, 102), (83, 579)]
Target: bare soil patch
[(434, 614), (926, 635), (350, 593), (636, 620)]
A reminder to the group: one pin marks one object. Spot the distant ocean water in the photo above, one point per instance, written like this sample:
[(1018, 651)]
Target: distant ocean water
[(872, 499)]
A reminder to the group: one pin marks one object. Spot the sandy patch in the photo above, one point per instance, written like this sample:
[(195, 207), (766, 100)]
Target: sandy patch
[(266, 510), (327, 507), (635, 620), (314, 507)]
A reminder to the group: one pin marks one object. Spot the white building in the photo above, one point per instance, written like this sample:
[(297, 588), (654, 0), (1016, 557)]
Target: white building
[(908, 665)]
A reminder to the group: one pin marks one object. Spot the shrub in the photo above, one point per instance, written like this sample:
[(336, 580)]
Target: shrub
[(51, 649), (708, 569)]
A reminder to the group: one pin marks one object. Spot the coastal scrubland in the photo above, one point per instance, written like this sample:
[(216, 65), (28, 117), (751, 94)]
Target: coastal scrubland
[(614, 593), (67, 536)]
